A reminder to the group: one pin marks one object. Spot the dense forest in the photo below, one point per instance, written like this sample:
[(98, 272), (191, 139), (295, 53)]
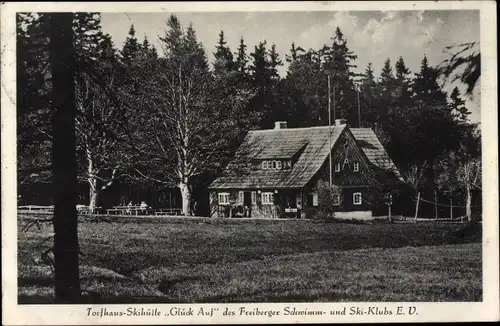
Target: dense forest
[(169, 117)]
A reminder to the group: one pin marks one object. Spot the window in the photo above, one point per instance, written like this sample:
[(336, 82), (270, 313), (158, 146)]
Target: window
[(336, 199), (278, 165), (223, 198), (337, 167), (356, 198), (315, 199), (267, 198), (254, 197), (240, 197), (356, 166)]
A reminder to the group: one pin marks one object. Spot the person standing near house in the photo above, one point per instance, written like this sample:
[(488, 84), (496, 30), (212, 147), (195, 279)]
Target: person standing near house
[(195, 207), (299, 210)]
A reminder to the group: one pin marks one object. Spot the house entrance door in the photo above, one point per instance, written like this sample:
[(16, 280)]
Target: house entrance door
[(247, 203)]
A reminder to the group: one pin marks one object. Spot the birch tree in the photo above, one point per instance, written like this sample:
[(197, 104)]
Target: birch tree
[(102, 119), (186, 128), (101, 129), (461, 169)]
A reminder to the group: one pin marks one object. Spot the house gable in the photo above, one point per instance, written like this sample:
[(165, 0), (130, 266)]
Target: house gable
[(350, 166)]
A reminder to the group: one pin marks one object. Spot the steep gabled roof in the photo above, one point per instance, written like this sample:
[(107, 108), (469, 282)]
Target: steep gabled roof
[(311, 143), (373, 149)]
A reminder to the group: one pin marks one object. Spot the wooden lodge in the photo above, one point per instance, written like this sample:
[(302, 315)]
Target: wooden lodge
[(277, 173)]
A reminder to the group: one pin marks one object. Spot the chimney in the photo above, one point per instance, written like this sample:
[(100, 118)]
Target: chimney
[(279, 125), (340, 122)]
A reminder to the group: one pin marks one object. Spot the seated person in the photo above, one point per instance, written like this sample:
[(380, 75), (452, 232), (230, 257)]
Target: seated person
[(129, 208), (144, 207)]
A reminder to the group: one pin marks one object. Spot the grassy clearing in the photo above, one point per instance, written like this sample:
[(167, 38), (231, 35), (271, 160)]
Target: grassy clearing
[(202, 260)]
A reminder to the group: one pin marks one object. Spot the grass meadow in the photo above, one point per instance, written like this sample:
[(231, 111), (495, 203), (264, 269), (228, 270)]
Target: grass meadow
[(213, 261)]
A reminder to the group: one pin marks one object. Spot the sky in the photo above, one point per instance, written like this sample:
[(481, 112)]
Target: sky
[(373, 35)]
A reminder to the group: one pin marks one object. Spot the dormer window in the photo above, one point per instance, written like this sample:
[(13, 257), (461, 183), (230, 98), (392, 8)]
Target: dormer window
[(276, 165), (356, 167)]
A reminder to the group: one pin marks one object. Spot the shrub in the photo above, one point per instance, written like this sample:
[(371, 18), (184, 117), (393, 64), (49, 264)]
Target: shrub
[(326, 208)]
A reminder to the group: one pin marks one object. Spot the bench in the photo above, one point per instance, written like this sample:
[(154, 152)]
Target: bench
[(125, 210), (37, 208), (168, 211)]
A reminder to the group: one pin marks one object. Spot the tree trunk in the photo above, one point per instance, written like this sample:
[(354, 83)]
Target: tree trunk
[(93, 186), (468, 211), (93, 194), (434, 177), (66, 250), (186, 197), (435, 204)]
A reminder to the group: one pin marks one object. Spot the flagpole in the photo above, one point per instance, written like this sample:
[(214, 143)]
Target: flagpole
[(330, 129), (359, 109)]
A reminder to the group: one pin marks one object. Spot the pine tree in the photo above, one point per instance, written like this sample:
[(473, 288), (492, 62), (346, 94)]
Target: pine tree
[(148, 50), (224, 61), (387, 76), (402, 72), (274, 63), (338, 63), (241, 57), (173, 36), (260, 76), (369, 96), (33, 73), (403, 84), (388, 89), (305, 91), (88, 35), (131, 47), (426, 88), (195, 50), (457, 106), (259, 69), (369, 76), (295, 52)]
